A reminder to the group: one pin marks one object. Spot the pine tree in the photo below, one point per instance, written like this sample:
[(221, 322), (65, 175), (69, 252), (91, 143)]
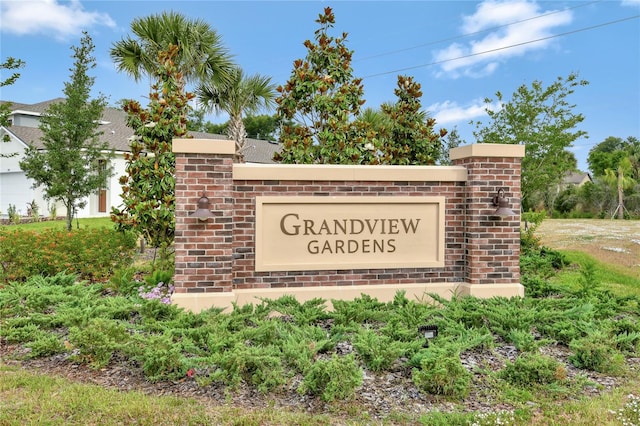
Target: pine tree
[(70, 167)]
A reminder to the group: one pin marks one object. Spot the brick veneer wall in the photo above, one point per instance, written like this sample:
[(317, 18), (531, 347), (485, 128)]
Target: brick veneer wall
[(492, 244), (218, 256), (244, 245)]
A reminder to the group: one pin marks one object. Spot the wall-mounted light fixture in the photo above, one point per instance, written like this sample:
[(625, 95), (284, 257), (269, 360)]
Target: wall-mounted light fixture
[(502, 204), (203, 211)]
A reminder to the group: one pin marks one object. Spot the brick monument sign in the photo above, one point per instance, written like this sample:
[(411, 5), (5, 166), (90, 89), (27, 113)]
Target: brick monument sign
[(336, 232)]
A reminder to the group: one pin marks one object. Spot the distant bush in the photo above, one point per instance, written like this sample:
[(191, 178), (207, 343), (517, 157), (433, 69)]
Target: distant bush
[(532, 368), (441, 373), (335, 378), (91, 254)]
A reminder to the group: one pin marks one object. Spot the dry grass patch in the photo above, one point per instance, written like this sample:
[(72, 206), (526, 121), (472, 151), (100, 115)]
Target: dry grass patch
[(615, 242)]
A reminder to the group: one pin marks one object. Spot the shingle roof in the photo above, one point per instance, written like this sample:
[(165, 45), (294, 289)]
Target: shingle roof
[(117, 134), (576, 178)]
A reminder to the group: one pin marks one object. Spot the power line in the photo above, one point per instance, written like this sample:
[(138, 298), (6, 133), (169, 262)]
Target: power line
[(504, 47), (391, 52)]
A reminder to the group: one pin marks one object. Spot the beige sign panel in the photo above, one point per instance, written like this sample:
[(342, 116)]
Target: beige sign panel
[(320, 233)]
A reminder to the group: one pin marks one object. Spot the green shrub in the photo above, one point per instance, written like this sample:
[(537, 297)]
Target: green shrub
[(536, 286), (45, 345), (525, 341), (376, 351), (92, 254), (333, 379), (528, 239), (260, 366), (441, 373), (533, 369), (160, 357), (97, 341), (596, 352), (364, 309)]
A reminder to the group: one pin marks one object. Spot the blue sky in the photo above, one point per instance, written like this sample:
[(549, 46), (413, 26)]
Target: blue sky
[(461, 52)]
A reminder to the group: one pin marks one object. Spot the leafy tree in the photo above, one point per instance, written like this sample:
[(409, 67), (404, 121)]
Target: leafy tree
[(195, 120), (69, 167), (543, 120), (239, 96), (201, 55), (216, 128), (148, 188), (451, 141), (5, 107), (609, 153), (375, 119), (322, 99), (621, 180), (262, 126), (606, 155), (409, 134), (634, 156)]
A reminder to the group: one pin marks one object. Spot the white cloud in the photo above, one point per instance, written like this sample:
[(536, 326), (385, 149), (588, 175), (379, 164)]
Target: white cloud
[(449, 112), (62, 20), (631, 3), (483, 53)]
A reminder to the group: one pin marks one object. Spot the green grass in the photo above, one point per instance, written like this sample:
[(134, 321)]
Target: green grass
[(610, 276), (31, 398), (94, 222)]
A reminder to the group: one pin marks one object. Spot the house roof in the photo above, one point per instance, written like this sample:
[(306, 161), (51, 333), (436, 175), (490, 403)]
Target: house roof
[(117, 134), (576, 178)]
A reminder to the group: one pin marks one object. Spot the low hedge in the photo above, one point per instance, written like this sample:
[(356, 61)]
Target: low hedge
[(90, 254)]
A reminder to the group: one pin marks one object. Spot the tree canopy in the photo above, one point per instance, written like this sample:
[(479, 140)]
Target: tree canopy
[(148, 188), (73, 163), (610, 152), (408, 135), (541, 118), (322, 98), (5, 108), (239, 96), (201, 55)]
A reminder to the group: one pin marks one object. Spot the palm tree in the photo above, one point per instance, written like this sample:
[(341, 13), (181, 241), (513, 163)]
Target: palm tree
[(201, 57), (241, 95), (621, 180)]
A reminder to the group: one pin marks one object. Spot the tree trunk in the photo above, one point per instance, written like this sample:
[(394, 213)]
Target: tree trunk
[(237, 133), (69, 216), (620, 195), (620, 202)]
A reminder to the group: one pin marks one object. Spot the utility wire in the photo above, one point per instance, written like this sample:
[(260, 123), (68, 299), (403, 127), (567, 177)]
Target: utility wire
[(504, 47), (444, 40)]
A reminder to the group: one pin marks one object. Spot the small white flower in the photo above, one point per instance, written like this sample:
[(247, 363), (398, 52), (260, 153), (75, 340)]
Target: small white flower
[(369, 146), (151, 124)]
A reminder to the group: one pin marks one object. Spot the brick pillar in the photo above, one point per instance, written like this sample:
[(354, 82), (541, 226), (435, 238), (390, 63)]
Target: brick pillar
[(203, 250), (492, 243)]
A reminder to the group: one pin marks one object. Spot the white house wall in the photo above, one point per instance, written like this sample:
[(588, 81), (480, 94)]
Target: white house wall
[(16, 189)]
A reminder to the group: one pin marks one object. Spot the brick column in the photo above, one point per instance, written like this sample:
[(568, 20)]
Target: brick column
[(203, 249), (492, 243)]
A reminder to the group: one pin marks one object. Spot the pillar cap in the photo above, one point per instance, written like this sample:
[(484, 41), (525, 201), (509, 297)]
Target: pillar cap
[(204, 146), (500, 150)]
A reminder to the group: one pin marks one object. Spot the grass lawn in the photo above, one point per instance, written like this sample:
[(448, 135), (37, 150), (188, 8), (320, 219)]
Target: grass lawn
[(94, 222)]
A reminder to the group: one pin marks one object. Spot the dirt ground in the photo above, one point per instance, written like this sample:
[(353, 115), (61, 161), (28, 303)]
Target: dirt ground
[(611, 241)]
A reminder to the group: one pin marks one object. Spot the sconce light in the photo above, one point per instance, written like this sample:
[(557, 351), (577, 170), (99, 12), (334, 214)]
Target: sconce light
[(430, 332), (202, 213), (502, 204)]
